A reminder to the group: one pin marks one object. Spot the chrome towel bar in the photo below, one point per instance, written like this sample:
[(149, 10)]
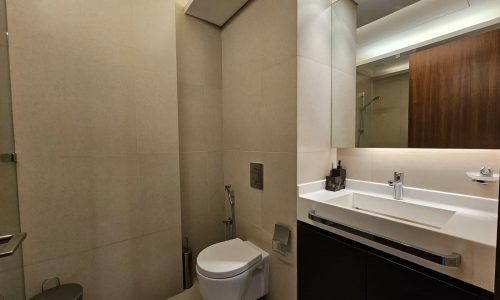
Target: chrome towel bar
[(10, 243), (449, 260)]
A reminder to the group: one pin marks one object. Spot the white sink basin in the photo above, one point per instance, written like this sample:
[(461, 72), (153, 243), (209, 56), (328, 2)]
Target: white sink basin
[(399, 209)]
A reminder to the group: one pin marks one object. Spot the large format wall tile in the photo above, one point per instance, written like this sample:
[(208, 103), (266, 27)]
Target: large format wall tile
[(436, 169), (94, 92), (132, 269), (199, 69), (3, 24), (315, 31), (314, 92), (259, 75), (237, 174), (314, 166), (314, 102), (279, 107)]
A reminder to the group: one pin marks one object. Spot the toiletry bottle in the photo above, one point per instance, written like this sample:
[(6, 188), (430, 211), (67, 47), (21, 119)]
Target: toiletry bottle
[(343, 175), (336, 180), (330, 180)]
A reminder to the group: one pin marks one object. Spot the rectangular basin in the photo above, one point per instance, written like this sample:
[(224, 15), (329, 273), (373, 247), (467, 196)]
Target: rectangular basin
[(398, 209)]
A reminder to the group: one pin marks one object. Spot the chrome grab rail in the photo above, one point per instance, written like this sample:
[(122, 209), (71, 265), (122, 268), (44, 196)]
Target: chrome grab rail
[(448, 260), (10, 243)]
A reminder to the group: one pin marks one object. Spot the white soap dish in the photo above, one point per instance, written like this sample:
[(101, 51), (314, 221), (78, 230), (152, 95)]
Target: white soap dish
[(480, 178)]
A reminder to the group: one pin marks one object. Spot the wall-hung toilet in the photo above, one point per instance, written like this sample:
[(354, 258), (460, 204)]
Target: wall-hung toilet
[(233, 270)]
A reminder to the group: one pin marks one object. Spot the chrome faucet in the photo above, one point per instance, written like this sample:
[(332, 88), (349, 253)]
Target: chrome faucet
[(397, 183)]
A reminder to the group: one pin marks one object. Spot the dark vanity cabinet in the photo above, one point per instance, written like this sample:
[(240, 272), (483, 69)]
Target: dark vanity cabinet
[(333, 267)]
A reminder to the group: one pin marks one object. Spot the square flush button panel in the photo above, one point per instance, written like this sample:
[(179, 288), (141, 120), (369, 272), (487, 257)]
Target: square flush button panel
[(257, 176)]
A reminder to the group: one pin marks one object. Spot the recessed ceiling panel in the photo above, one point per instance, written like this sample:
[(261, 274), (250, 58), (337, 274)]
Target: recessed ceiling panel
[(214, 11), (371, 10)]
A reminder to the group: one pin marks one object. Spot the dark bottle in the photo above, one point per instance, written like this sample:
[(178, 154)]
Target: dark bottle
[(336, 180)]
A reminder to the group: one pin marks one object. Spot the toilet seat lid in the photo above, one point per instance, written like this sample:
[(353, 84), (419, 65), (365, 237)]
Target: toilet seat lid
[(227, 259)]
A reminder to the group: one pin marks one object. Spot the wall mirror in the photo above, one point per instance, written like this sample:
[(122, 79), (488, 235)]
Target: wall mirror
[(428, 74)]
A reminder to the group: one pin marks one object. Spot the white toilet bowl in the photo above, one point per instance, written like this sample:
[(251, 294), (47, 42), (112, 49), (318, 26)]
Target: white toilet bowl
[(233, 270)]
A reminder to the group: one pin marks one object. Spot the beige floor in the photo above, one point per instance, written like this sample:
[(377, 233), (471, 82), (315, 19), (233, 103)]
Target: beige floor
[(192, 294)]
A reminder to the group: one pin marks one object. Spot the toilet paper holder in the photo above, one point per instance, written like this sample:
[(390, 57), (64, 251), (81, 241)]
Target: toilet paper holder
[(281, 239)]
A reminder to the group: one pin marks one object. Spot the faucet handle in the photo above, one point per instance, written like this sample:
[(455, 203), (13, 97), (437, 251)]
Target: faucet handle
[(399, 176), (486, 172)]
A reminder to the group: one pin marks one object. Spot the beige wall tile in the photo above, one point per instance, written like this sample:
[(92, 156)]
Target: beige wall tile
[(343, 109), (255, 234), (153, 28), (215, 180), (156, 113), (203, 231), (314, 99), (387, 120), (199, 50), (159, 193), (343, 73), (279, 34), (259, 66), (279, 107), (202, 198), (191, 117), (3, 22), (237, 174), (242, 129), (42, 116), (4, 73), (59, 23), (313, 166), (199, 55), (437, 169), (279, 197), (8, 199), (94, 201), (11, 262), (97, 134), (194, 184), (213, 119), (146, 267), (315, 31), (282, 279), (104, 21), (200, 118), (11, 283), (103, 122), (242, 43), (344, 16), (358, 163), (54, 207)]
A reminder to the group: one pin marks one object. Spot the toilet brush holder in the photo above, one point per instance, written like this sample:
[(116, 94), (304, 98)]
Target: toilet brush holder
[(187, 265)]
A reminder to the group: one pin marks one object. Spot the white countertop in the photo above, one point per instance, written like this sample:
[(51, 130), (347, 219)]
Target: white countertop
[(470, 231), (474, 224)]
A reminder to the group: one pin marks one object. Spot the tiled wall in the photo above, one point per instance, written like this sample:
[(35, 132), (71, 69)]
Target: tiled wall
[(259, 67), (344, 15), (11, 270), (314, 93), (95, 116), (199, 56), (386, 121), (437, 169)]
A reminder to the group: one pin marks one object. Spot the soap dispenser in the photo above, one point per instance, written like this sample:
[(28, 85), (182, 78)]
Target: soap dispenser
[(336, 180)]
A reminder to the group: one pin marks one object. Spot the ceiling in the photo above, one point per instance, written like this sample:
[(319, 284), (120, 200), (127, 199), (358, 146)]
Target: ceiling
[(217, 12), (389, 66), (424, 23), (371, 10)]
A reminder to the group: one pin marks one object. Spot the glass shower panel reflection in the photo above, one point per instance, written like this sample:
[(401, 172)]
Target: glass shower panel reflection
[(11, 267)]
